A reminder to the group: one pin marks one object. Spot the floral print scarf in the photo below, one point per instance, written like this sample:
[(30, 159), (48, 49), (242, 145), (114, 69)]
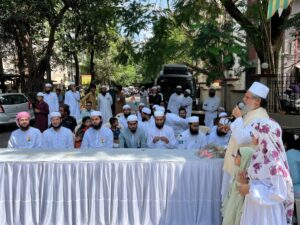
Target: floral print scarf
[(270, 159)]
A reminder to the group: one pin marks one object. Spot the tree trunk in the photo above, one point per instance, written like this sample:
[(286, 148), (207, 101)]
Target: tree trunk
[(2, 85), (77, 73), (92, 66)]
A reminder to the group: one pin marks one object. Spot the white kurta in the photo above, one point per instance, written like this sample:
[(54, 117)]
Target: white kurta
[(139, 116), (175, 103), (52, 101), (210, 106), (32, 138), (72, 99), (60, 139), (193, 141), (177, 123), (123, 121), (165, 131), (102, 138), (104, 103), (187, 103)]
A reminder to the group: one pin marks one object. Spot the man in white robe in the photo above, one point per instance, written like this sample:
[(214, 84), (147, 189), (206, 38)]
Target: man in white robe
[(255, 101), (159, 134), (97, 136), (105, 102), (51, 99), (72, 99), (187, 102), (126, 113), (175, 100), (26, 137), (210, 106), (57, 137), (139, 111), (146, 119), (220, 136), (192, 138)]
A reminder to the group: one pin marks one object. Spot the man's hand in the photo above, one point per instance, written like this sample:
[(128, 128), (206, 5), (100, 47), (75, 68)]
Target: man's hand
[(236, 112), (36, 110), (244, 189), (164, 139), (156, 139), (242, 177)]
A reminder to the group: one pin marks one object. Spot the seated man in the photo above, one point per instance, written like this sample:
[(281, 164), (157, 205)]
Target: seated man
[(114, 127), (57, 136), (88, 110), (126, 113), (192, 138), (132, 136), (160, 135), (97, 136), (25, 137), (139, 111), (221, 135)]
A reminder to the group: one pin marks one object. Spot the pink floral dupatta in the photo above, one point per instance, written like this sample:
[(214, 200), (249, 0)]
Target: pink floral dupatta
[(270, 159)]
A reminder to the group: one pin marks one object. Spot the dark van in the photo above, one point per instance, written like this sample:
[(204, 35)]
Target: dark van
[(173, 75)]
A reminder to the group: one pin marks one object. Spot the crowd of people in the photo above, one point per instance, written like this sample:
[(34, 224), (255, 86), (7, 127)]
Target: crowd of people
[(257, 187)]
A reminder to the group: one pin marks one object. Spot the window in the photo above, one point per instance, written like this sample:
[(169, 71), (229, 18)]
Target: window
[(12, 99)]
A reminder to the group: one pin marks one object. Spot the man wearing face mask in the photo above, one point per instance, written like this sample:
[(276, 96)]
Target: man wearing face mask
[(220, 136), (254, 110), (105, 102), (26, 137), (51, 99), (175, 100), (210, 106), (97, 136), (57, 137)]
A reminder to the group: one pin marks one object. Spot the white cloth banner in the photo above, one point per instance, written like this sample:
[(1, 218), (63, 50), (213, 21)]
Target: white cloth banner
[(117, 187)]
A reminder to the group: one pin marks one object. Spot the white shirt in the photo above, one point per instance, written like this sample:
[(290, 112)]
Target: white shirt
[(193, 141), (123, 121), (210, 106), (187, 103), (57, 139), (52, 101), (104, 103), (166, 131), (240, 132), (177, 123), (102, 138), (72, 99), (32, 138), (175, 103)]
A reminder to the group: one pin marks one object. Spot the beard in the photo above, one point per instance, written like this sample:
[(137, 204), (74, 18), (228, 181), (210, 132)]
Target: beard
[(178, 92), (126, 115), (103, 93), (160, 126), (144, 119), (97, 127), (194, 132), (24, 127), (133, 130), (48, 91), (221, 133), (212, 95), (56, 127)]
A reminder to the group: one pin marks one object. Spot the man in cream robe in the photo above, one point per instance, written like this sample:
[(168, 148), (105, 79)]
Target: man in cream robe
[(72, 99), (104, 102), (255, 100)]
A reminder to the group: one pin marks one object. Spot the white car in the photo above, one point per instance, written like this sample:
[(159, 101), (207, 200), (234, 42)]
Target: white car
[(11, 104)]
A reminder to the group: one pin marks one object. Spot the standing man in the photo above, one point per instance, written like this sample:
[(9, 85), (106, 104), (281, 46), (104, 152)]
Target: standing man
[(90, 97), (97, 136), (175, 100), (154, 98), (143, 95), (67, 120), (160, 135), (72, 99), (60, 97), (126, 113), (133, 136), (210, 106), (105, 102), (51, 99), (41, 113), (26, 137), (241, 129), (139, 111), (187, 102), (112, 91), (161, 95), (192, 138), (57, 137), (120, 99)]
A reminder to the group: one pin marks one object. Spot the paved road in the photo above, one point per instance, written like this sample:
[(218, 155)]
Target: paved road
[(5, 132)]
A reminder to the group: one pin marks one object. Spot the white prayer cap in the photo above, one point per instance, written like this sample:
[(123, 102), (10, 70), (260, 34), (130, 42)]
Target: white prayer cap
[(178, 87), (40, 94), (55, 114), (71, 83), (188, 91), (96, 113), (159, 113), (103, 86), (48, 85), (259, 89), (146, 110), (132, 118), (142, 104), (154, 88), (193, 119), (160, 108), (224, 121), (126, 107), (158, 86), (155, 106), (222, 114)]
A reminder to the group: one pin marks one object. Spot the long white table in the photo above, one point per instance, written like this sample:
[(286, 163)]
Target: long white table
[(115, 187)]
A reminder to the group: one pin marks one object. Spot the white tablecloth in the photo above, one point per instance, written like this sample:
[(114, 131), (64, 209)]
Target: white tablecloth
[(115, 187)]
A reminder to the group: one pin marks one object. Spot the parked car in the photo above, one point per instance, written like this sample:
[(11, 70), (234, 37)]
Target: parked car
[(11, 104)]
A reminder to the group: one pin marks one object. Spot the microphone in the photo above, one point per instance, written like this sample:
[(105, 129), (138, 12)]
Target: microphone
[(241, 105)]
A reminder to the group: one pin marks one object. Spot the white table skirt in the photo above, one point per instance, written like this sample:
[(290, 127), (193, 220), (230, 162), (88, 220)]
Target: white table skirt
[(115, 187)]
